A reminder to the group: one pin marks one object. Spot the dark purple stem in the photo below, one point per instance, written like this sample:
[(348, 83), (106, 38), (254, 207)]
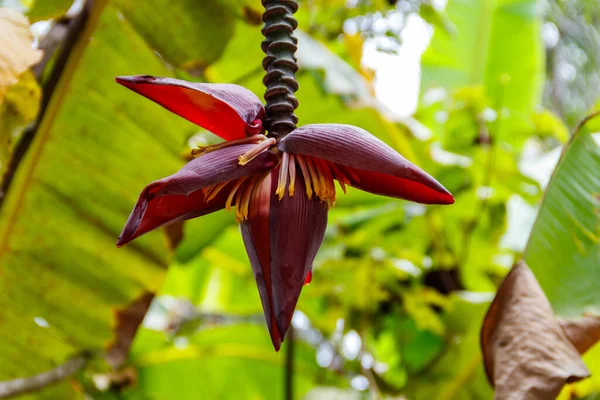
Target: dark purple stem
[(280, 65)]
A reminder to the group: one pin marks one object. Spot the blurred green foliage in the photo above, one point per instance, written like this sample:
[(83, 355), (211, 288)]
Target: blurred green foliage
[(399, 290)]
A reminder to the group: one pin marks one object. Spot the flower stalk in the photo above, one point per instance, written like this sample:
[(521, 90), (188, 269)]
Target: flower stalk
[(280, 66)]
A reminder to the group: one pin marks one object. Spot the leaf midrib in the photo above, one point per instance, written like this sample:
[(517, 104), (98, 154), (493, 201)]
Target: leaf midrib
[(482, 42), (13, 204)]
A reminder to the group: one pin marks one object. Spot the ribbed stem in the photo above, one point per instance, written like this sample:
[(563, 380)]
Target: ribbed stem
[(280, 65)]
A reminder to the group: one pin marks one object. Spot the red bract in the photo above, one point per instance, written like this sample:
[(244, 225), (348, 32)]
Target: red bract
[(282, 189)]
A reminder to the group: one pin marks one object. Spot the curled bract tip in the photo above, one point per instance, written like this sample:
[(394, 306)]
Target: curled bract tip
[(181, 195), (369, 163)]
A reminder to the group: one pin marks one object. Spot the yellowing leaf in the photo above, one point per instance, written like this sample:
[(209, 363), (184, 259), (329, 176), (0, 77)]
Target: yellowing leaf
[(548, 124), (418, 305), (16, 52), (48, 9), (19, 108)]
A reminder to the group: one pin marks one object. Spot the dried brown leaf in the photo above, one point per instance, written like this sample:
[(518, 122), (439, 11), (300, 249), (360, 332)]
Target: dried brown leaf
[(16, 51), (526, 353), (127, 322), (252, 15), (583, 332), (173, 233)]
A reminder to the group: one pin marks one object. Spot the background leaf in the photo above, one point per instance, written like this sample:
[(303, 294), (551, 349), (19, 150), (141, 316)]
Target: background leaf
[(73, 187), (564, 241), (48, 9), (497, 45)]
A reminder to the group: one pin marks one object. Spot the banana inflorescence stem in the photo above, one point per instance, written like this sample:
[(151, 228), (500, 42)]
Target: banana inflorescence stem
[(280, 65)]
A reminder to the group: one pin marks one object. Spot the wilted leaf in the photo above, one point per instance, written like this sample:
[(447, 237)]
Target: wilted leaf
[(16, 52), (526, 353), (583, 332), (127, 322), (173, 233), (252, 15)]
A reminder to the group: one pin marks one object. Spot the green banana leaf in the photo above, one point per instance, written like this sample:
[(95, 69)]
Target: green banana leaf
[(496, 44), (61, 276), (564, 247)]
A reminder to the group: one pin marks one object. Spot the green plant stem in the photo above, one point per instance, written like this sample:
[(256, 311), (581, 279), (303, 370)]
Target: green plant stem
[(289, 365)]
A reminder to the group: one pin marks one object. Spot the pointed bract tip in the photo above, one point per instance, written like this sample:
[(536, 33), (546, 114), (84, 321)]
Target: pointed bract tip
[(123, 80), (443, 198), (276, 338), (134, 79), (276, 344)]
